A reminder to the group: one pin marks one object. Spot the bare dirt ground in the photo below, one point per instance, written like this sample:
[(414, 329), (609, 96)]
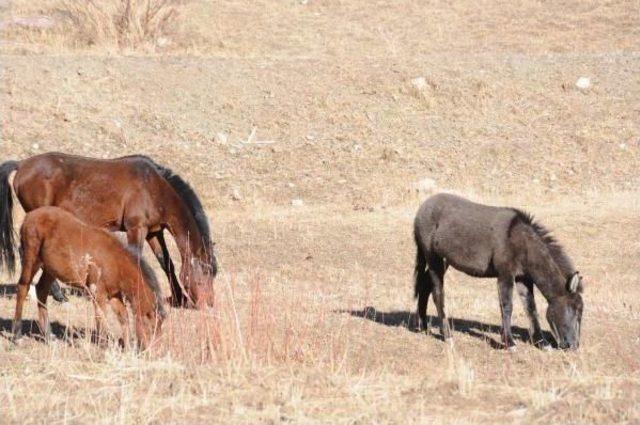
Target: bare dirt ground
[(314, 319)]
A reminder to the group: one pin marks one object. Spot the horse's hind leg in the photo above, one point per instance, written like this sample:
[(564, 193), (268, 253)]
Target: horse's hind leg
[(42, 290), (525, 291), (436, 273)]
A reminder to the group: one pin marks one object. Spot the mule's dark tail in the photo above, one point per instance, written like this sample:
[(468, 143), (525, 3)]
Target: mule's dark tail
[(423, 282), (7, 236)]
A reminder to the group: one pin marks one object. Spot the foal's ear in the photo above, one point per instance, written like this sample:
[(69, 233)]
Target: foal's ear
[(574, 283)]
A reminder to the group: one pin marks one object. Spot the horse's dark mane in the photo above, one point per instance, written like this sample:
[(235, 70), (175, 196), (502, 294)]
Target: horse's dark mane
[(556, 250), (189, 197)]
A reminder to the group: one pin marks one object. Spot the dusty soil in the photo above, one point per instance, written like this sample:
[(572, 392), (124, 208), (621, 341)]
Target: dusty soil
[(314, 316)]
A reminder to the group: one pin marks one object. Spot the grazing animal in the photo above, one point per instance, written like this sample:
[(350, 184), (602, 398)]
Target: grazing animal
[(131, 194), (92, 259), (505, 243)]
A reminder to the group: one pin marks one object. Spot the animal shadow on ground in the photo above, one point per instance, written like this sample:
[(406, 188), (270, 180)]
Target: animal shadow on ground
[(409, 320), (31, 328), (9, 289)]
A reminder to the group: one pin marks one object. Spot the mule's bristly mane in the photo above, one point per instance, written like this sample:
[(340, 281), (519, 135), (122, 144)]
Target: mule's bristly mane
[(555, 248), (191, 200)]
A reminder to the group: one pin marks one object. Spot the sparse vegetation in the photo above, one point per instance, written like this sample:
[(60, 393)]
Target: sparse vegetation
[(315, 298)]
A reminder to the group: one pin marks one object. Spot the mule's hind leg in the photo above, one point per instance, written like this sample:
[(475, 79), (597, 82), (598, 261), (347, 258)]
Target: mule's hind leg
[(42, 290), (423, 286), (505, 292), (525, 291), (436, 273)]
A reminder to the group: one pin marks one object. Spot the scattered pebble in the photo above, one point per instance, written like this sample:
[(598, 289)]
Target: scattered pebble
[(426, 186), (583, 83), (297, 202), (221, 138), (419, 84), (235, 194)]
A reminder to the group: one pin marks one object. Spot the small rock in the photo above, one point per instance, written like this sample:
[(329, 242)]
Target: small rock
[(426, 185), (163, 41), (221, 138), (419, 84), (583, 83), (291, 185), (35, 146), (235, 194), (297, 202)]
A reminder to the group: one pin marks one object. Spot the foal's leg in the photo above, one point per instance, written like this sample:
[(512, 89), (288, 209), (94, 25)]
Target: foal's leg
[(525, 290), (118, 307), (436, 273), (99, 298), (42, 290), (159, 247), (505, 293), (30, 266)]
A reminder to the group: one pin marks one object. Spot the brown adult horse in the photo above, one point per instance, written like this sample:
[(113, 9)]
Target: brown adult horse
[(132, 194), (92, 259)]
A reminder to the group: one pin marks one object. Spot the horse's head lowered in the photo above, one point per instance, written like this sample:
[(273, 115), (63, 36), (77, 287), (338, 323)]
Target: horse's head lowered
[(565, 313), (199, 277)]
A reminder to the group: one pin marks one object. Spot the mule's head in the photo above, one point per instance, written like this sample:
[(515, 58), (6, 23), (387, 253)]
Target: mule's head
[(565, 313)]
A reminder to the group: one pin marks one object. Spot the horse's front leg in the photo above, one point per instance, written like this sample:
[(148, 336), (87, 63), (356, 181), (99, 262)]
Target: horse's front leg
[(159, 247), (136, 235), (505, 293)]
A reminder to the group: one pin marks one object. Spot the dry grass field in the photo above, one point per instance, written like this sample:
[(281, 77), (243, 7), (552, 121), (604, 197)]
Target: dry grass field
[(343, 107)]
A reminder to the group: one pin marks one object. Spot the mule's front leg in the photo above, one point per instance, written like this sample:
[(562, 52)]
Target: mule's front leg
[(525, 290), (505, 292)]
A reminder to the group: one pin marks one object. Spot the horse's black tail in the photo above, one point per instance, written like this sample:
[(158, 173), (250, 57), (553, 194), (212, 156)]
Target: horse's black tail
[(7, 235)]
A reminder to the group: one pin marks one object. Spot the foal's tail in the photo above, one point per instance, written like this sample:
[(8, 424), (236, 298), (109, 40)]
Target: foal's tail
[(7, 236), (420, 272)]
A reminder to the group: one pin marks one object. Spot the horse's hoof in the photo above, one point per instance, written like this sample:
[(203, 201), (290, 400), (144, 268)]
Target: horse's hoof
[(60, 297), (512, 348)]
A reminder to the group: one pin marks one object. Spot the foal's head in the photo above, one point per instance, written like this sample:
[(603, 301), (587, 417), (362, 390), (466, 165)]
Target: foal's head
[(565, 313)]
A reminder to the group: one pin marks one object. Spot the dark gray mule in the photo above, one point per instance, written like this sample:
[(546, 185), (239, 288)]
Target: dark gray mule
[(486, 241)]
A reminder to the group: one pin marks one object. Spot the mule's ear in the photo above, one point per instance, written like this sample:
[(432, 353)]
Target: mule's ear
[(574, 284)]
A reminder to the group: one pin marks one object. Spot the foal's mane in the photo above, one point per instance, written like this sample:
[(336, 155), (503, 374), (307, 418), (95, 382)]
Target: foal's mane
[(191, 200), (556, 250), (148, 275)]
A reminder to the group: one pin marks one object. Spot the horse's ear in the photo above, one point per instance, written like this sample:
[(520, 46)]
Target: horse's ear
[(574, 284)]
